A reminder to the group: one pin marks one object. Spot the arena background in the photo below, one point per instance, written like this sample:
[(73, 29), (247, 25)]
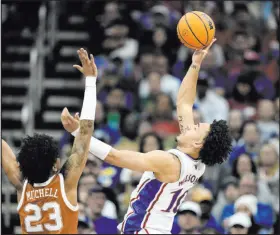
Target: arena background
[(141, 64)]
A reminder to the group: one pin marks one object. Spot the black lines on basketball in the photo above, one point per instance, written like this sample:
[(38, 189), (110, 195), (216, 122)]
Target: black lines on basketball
[(180, 36), (204, 26), (192, 31)]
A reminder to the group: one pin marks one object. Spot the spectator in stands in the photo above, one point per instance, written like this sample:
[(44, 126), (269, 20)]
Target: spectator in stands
[(96, 202), (242, 165), (250, 139), (93, 166), (118, 44), (248, 204), (158, 15), (87, 181), (103, 127), (266, 123), (163, 110), (84, 228), (235, 121), (169, 84), (205, 199), (239, 223), (163, 43), (111, 13), (115, 109), (227, 194), (250, 184), (148, 90), (144, 63), (188, 219), (150, 142), (144, 127), (263, 215), (244, 94), (163, 118), (269, 171), (109, 176), (206, 98)]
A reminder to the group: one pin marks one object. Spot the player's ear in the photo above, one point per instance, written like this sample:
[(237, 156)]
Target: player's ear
[(56, 166)]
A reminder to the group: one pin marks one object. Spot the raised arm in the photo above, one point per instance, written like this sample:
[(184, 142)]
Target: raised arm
[(187, 92), (10, 166), (74, 166)]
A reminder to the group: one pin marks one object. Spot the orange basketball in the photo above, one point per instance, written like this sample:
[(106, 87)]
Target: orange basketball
[(196, 30)]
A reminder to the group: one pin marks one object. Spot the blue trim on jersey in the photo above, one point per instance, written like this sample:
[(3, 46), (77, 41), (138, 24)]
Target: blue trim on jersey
[(146, 196)]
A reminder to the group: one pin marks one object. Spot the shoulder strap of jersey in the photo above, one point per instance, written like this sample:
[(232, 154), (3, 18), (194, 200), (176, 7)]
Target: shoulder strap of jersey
[(181, 156), (63, 193), (22, 195)]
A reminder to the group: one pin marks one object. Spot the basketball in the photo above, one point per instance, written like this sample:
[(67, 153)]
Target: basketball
[(196, 30)]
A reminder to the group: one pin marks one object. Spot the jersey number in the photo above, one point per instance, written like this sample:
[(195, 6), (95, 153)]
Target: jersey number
[(175, 201), (37, 216)]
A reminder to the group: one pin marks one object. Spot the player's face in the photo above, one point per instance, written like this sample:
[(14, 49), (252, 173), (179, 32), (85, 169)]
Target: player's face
[(194, 134)]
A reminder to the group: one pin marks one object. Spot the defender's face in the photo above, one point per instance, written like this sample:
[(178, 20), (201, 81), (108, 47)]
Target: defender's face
[(194, 134)]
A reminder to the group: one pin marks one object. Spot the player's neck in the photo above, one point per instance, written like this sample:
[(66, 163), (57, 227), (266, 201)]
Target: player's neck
[(188, 151)]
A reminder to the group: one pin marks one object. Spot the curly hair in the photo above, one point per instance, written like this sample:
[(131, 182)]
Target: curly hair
[(37, 157), (217, 144)]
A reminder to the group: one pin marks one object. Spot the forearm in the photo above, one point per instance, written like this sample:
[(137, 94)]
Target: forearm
[(78, 157), (10, 165), (82, 141), (187, 91), (128, 159)]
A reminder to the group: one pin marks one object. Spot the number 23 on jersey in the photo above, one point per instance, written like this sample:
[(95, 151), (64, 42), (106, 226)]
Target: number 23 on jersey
[(37, 222)]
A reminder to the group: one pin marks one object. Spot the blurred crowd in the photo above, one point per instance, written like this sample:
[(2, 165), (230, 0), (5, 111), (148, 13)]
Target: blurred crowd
[(141, 64)]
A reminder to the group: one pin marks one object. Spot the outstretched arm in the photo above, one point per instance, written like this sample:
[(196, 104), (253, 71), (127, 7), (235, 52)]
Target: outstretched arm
[(187, 92), (10, 166), (74, 166), (164, 165)]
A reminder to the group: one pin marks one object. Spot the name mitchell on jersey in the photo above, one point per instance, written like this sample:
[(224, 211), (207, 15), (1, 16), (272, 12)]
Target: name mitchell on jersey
[(39, 193)]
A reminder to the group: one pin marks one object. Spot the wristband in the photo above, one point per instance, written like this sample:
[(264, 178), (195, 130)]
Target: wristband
[(96, 147), (74, 133), (90, 81), (89, 103)]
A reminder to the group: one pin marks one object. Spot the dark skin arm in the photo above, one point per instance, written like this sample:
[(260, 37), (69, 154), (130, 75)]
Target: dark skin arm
[(74, 166), (11, 166)]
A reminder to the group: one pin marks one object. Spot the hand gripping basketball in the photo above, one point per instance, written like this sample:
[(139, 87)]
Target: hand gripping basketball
[(199, 55)]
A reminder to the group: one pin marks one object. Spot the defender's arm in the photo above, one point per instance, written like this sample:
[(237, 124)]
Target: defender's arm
[(11, 166), (75, 164)]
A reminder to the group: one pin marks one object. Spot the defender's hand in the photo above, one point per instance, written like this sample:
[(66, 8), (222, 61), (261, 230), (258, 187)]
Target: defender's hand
[(69, 122), (88, 65), (199, 55)]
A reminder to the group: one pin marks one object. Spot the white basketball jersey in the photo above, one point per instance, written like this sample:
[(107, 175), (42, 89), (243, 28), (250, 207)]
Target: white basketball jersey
[(153, 204)]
